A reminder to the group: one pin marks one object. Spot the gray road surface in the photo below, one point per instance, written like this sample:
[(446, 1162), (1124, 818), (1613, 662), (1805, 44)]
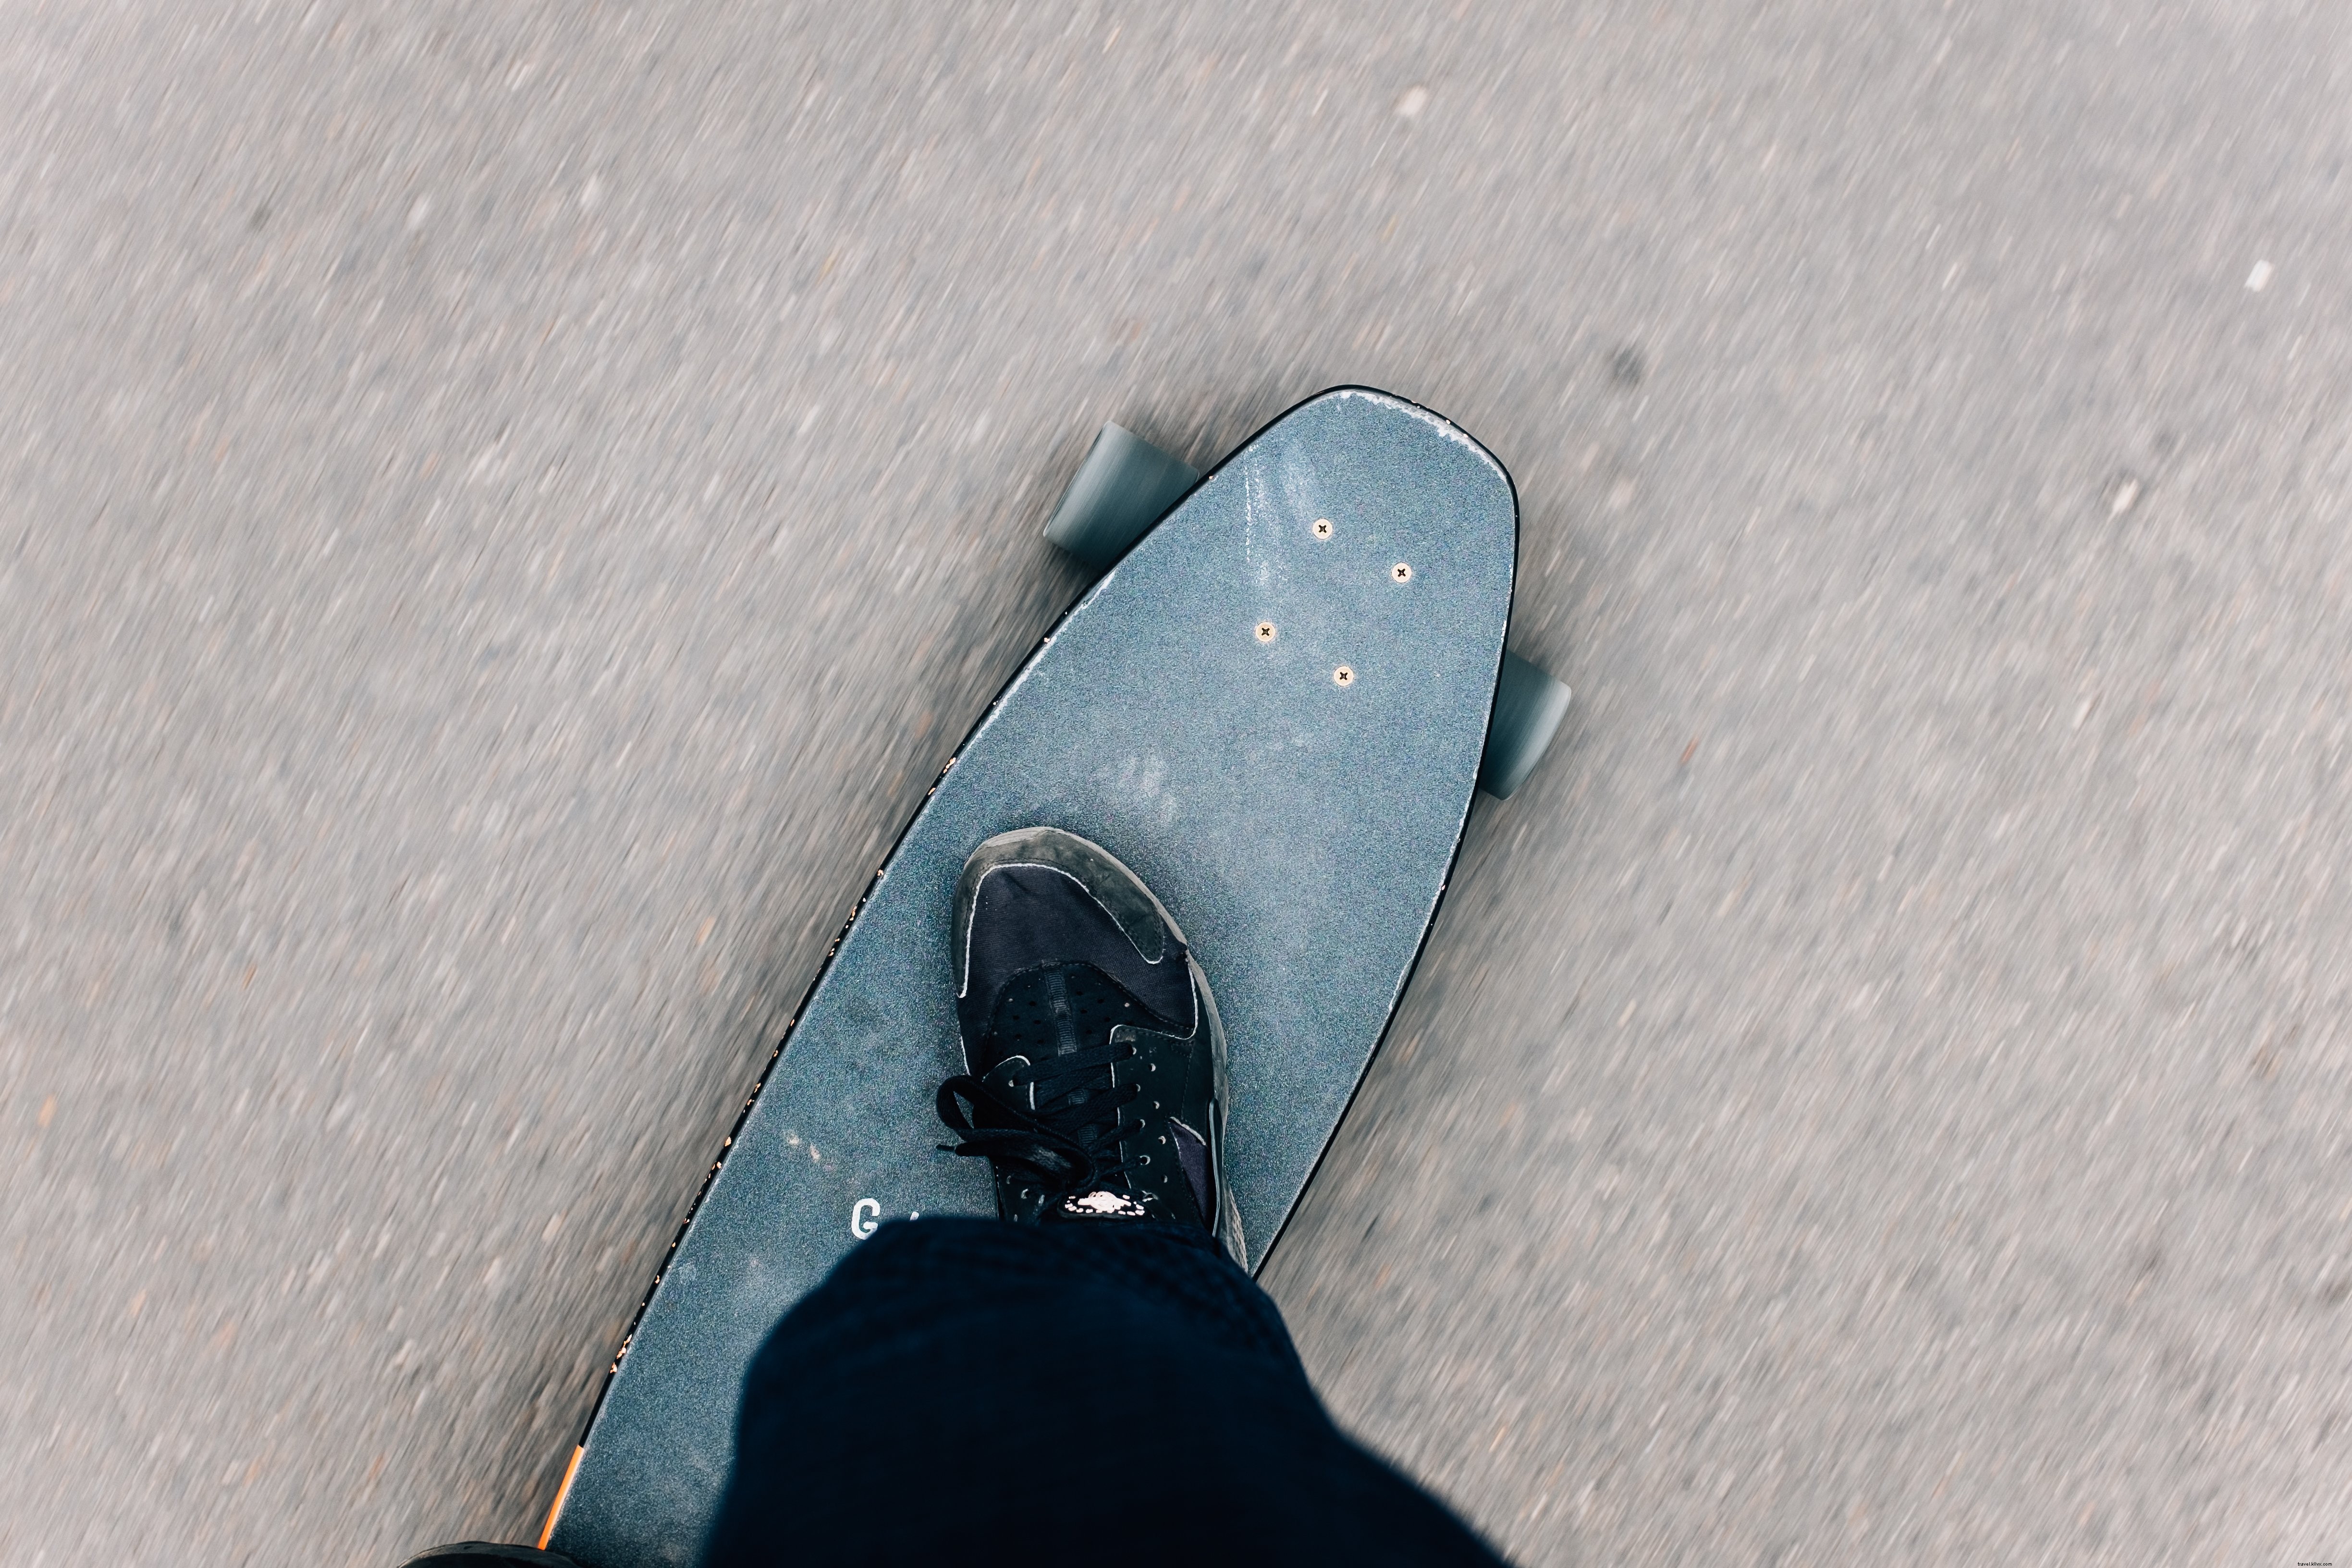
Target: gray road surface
[(504, 508)]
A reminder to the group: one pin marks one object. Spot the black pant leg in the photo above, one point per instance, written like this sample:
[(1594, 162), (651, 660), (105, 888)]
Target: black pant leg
[(965, 1391)]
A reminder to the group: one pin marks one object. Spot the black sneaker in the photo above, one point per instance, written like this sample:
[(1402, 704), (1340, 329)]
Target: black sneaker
[(1098, 1081)]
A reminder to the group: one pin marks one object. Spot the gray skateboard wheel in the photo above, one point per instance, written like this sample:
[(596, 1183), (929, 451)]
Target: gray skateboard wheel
[(1124, 487), (1529, 705)]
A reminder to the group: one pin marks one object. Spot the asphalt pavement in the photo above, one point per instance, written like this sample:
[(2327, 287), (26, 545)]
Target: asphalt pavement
[(505, 508)]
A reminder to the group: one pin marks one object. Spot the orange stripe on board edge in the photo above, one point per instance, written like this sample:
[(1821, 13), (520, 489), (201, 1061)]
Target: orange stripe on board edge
[(547, 1532)]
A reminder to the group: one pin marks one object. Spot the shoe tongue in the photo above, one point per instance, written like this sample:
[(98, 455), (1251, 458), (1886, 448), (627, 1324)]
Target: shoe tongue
[(1059, 1011), (1049, 1016)]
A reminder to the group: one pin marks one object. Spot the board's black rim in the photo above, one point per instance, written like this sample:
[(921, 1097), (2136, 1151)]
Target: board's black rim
[(800, 1010)]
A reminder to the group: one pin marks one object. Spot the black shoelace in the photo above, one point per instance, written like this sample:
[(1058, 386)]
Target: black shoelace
[(1070, 1139)]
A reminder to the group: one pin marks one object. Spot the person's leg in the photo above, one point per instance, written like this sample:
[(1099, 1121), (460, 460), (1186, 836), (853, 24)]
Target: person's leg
[(965, 1391), (1086, 1378)]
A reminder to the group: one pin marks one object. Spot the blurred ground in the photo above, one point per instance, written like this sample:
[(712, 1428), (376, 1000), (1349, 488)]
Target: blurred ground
[(504, 509)]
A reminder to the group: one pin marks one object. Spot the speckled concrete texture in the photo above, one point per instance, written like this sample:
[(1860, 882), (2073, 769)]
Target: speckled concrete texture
[(503, 510)]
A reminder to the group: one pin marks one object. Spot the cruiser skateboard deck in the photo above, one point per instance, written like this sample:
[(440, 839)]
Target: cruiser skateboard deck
[(1275, 706)]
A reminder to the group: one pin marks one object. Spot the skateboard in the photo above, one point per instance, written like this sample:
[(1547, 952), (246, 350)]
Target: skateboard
[(1275, 704)]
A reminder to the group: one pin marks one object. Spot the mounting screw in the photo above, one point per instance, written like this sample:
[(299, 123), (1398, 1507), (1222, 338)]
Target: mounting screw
[(1265, 631), (1343, 676), (1400, 571), (1322, 528)]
